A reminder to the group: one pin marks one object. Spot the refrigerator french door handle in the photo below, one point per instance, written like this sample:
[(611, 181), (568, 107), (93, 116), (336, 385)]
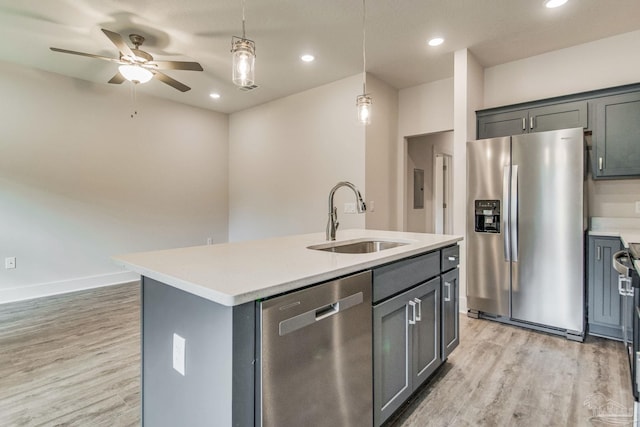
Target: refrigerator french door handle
[(514, 213), (505, 213)]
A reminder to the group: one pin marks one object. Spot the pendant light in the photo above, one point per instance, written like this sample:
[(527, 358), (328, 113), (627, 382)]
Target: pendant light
[(363, 102), (243, 52)]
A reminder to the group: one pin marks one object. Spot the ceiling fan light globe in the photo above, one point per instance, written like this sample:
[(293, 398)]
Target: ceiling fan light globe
[(135, 73)]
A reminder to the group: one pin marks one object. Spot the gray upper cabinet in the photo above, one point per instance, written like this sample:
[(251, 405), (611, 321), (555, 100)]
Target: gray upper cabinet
[(502, 124), (616, 136), (562, 115), (604, 301)]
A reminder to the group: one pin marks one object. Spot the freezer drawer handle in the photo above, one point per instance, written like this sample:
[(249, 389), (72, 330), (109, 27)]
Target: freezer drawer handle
[(448, 286), (319, 313)]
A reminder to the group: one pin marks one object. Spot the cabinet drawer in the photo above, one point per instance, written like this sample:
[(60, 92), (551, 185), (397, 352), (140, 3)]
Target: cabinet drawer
[(393, 278), (450, 257)]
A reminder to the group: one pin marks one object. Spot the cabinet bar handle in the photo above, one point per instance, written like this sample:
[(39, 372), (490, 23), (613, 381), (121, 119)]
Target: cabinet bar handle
[(600, 163), (419, 301), (598, 253), (412, 320), (448, 286), (524, 123), (531, 122), (452, 258)]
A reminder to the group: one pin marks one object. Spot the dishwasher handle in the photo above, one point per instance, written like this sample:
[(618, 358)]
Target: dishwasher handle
[(319, 313)]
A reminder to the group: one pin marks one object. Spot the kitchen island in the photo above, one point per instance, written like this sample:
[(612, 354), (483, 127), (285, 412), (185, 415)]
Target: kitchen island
[(201, 313)]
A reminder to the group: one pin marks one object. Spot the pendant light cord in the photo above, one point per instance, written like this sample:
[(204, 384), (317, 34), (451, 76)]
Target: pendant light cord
[(243, 32), (364, 54)]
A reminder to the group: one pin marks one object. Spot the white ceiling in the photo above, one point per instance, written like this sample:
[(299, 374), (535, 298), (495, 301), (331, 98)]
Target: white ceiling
[(496, 31)]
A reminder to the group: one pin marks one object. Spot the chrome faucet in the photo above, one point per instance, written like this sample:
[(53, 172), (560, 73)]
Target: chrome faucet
[(332, 224)]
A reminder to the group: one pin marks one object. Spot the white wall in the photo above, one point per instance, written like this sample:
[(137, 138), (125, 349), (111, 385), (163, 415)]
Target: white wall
[(608, 62), (468, 97), (285, 156), (80, 180), (381, 157)]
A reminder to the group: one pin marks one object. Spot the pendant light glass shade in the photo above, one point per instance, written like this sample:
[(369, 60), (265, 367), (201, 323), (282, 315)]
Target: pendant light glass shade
[(244, 57), (363, 104), (135, 73)]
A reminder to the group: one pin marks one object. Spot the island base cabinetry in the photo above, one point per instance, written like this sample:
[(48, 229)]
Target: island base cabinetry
[(217, 387), (406, 345), (415, 325), (450, 310)]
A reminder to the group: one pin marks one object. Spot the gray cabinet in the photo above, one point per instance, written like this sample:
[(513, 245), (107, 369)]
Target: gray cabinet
[(616, 136), (604, 301), (406, 345), (450, 309), (517, 121)]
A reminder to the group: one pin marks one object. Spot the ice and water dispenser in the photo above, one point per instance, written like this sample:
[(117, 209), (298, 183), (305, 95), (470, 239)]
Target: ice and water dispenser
[(487, 216)]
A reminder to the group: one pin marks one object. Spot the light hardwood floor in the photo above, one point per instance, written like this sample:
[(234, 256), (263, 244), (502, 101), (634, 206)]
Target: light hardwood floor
[(74, 360)]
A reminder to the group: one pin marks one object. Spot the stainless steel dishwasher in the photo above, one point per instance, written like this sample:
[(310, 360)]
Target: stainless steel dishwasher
[(316, 360)]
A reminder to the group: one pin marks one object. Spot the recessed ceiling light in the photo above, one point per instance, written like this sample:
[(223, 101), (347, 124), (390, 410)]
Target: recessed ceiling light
[(307, 58), (554, 3), (215, 95), (436, 41)]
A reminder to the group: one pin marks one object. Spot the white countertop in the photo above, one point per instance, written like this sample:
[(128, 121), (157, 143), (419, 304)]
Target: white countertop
[(235, 273), (627, 229)]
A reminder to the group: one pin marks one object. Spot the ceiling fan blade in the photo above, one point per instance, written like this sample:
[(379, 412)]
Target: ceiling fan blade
[(170, 81), (117, 79), (120, 43), (90, 55), (177, 65)]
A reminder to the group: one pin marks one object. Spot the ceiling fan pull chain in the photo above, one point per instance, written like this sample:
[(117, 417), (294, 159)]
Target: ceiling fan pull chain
[(133, 100)]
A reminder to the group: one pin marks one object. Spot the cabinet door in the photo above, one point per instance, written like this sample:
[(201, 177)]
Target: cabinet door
[(502, 124), (604, 300), (391, 356), (559, 116), (426, 330), (616, 136), (450, 308)]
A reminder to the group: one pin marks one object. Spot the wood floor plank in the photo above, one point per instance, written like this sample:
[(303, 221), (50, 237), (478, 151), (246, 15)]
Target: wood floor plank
[(74, 360)]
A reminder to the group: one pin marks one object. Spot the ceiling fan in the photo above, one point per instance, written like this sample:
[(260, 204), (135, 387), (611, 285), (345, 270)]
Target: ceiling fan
[(138, 66)]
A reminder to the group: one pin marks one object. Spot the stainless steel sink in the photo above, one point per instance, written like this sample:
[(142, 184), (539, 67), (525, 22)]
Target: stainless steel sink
[(357, 247)]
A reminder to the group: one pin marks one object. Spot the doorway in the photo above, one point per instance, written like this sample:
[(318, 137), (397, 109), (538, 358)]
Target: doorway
[(429, 178)]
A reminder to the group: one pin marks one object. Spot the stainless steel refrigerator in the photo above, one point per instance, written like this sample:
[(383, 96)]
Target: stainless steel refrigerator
[(525, 230)]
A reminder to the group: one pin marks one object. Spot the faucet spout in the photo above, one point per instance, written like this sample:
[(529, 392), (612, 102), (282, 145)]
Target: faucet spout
[(332, 223)]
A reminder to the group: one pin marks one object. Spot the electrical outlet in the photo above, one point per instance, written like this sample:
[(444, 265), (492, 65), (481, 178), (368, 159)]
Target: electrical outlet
[(349, 208), (209, 240), (179, 347), (10, 262), (638, 207), (371, 207)]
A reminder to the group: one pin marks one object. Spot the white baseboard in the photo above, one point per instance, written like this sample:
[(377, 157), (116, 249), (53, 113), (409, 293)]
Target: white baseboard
[(65, 286)]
